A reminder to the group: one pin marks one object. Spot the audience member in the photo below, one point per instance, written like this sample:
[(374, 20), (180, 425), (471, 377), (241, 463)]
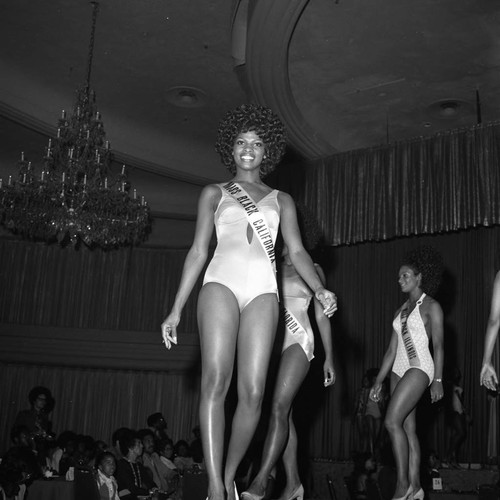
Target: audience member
[(183, 459), (36, 419), (65, 459), (106, 482), (167, 458), (458, 419), (152, 461), (132, 477), (365, 469), (196, 446), (18, 469), (157, 423), (115, 441)]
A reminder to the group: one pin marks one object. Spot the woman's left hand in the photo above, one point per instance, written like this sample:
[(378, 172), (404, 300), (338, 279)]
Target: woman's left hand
[(436, 391), (328, 301), (329, 374)]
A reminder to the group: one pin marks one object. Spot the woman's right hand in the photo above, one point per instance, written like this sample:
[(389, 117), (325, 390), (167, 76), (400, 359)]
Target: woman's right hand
[(488, 377), (375, 392), (169, 330)]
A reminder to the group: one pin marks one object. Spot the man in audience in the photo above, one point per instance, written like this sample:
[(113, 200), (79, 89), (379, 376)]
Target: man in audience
[(152, 461), (157, 423)]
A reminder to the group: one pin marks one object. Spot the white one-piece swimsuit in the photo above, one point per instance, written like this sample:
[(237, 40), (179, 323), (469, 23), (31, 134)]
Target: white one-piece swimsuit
[(420, 354)]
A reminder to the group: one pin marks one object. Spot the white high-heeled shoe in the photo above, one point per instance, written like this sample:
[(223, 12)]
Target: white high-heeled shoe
[(407, 496), (419, 495), (297, 494)]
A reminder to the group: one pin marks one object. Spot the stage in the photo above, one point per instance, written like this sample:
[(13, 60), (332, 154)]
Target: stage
[(463, 484)]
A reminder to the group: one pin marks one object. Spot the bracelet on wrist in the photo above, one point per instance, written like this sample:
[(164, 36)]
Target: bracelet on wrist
[(438, 380)]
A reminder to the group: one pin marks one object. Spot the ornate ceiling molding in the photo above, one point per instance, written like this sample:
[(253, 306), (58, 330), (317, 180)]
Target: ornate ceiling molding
[(270, 30)]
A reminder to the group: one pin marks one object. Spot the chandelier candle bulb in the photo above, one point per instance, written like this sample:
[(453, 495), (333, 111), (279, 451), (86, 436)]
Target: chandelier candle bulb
[(22, 155), (105, 183), (107, 144), (63, 114), (1, 183), (58, 133), (135, 192), (43, 175), (10, 180), (123, 169), (63, 177), (85, 180)]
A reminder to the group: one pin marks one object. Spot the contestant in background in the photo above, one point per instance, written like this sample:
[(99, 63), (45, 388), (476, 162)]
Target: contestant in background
[(238, 303), (417, 322), (297, 353), (488, 376)]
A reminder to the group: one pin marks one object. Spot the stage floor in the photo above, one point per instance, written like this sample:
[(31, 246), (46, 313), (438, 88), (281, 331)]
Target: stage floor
[(462, 484)]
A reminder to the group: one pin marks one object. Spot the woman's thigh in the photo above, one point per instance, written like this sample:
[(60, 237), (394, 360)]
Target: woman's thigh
[(292, 371), (406, 393), (218, 323), (257, 331)]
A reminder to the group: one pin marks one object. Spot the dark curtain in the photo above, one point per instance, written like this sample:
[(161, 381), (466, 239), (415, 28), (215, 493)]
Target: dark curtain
[(96, 402), (428, 185), (364, 277)]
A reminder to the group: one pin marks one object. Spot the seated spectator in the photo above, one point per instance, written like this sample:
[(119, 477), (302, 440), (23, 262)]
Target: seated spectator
[(67, 444), (132, 477), (115, 441), (167, 458), (183, 459), (365, 469), (152, 461), (157, 423), (196, 446), (64, 443), (18, 469), (106, 482), (85, 452)]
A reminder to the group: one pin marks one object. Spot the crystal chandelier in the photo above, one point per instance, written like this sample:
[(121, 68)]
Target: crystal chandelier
[(76, 197)]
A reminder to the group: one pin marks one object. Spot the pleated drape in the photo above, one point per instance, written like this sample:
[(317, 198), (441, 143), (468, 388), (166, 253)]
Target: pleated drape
[(97, 402), (430, 185)]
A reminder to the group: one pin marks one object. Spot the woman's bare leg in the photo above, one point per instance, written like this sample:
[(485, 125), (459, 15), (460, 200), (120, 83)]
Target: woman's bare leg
[(256, 335), (218, 320), (290, 461), (405, 395), (410, 427), (292, 371)]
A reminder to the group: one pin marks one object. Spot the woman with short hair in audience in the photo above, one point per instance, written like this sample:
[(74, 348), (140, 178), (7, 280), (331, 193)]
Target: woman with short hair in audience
[(132, 477)]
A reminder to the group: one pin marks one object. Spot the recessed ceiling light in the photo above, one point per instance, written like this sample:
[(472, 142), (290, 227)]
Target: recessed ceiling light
[(186, 97), (450, 109)]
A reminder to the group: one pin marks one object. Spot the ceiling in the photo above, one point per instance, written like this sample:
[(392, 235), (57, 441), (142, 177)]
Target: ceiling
[(342, 74)]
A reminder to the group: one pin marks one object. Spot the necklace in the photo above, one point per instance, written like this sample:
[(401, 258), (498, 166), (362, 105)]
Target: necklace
[(137, 475)]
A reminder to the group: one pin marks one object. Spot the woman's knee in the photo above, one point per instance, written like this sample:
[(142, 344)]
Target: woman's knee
[(214, 384), (251, 396), (392, 423)]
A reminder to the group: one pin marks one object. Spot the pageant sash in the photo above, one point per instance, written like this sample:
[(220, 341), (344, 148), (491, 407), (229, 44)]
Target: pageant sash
[(292, 323), (411, 352), (255, 219)]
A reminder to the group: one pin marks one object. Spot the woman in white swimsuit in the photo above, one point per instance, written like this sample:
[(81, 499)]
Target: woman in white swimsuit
[(417, 321), (238, 303)]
